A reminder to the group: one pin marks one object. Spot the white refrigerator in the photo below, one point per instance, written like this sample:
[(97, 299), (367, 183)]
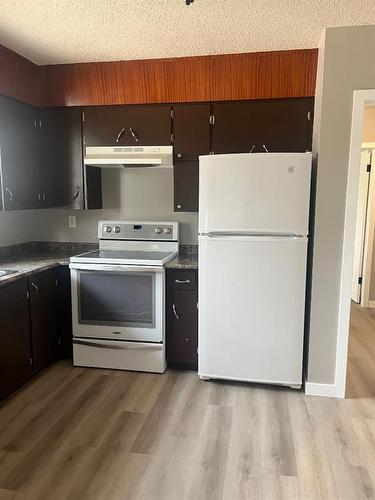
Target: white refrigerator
[(253, 235)]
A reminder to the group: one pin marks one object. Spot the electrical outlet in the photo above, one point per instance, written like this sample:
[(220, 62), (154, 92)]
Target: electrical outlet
[(72, 221)]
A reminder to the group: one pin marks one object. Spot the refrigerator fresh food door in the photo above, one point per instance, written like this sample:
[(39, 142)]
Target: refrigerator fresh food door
[(251, 308), (266, 192)]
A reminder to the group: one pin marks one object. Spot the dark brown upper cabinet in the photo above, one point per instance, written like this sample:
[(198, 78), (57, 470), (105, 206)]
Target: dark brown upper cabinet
[(284, 124), (142, 125), (19, 154), (186, 185), (41, 156), (104, 125), (15, 346), (191, 131), (148, 125), (60, 143), (274, 125), (233, 130), (43, 318)]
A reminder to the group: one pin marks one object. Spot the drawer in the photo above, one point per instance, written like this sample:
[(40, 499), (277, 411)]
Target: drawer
[(181, 280)]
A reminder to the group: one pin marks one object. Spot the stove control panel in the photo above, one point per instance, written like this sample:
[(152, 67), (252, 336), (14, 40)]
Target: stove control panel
[(131, 230)]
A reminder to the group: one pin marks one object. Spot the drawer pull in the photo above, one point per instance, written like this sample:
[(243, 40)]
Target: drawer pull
[(175, 312), (182, 282)]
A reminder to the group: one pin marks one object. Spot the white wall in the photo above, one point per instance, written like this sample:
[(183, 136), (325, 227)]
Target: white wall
[(346, 63), (16, 227), (143, 194)]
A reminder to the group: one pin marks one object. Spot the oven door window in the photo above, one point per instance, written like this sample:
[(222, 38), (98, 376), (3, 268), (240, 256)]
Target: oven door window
[(123, 299)]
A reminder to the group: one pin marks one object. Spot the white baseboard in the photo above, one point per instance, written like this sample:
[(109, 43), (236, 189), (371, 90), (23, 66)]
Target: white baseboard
[(371, 303), (324, 390)]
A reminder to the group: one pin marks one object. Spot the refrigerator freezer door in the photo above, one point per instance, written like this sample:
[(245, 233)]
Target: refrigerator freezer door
[(266, 192), (251, 308)]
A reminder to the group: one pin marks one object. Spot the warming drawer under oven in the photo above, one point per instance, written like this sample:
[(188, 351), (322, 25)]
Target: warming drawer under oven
[(118, 302)]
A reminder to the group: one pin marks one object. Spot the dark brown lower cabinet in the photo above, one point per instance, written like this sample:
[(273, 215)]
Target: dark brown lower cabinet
[(35, 325), (15, 346), (186, 186), (182, 319), (43, 318)]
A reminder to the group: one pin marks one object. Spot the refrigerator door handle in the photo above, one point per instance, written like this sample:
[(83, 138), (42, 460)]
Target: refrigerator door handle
[(225, 234)]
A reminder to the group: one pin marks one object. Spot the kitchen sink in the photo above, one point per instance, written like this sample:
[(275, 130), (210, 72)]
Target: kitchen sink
[(5, 272)]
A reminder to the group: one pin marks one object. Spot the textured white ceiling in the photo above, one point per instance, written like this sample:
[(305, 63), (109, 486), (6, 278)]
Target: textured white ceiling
[(63, 31)]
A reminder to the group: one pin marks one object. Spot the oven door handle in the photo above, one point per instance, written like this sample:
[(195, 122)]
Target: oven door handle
[(125, 347), (114, 268)]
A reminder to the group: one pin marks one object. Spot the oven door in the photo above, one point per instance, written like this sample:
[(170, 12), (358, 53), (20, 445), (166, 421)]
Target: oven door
[(118, 302)]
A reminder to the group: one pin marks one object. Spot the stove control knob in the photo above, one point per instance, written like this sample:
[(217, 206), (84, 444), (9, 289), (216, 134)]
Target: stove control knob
[(107, 229), (158, 230), (117, 229), (167, 230)]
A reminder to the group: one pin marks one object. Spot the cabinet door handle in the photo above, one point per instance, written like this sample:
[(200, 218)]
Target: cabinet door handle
[(35, 287), (134, 134), (76, 194), (175, 312), (179, 155), (182, 282), (252, 148), (10, 193), (120, 134), (265, 148), (179, 206)]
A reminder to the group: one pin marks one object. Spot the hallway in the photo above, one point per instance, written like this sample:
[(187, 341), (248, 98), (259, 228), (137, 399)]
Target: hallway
[(361, 358)]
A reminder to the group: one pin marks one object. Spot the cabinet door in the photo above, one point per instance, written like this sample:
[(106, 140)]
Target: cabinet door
[(274, 125), (19, 154), (186, 186), (284, 124), (148, 125), (43, 314), (104, 125), (235, 129), (191, 129), (182, 330), (15, 348), (61, 157)]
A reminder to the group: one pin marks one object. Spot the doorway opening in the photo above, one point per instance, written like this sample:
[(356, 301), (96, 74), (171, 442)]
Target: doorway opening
[(358, 248), (363, 282)]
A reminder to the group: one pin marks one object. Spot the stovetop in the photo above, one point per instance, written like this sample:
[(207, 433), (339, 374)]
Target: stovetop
[(125, 257), (139, 243)]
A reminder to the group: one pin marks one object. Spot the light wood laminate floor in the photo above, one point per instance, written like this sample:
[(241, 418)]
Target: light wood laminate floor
[(75, 433)]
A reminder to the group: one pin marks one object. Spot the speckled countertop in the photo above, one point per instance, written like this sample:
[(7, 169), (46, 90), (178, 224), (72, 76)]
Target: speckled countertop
[(187, 259), (29, 258)]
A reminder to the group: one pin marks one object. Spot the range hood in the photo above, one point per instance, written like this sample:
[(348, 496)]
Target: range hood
[(129, 156)]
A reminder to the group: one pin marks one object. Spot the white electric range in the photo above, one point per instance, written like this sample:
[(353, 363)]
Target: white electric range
[(118, 296)]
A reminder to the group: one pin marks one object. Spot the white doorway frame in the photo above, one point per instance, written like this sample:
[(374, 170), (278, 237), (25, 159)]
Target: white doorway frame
[(361, 98)]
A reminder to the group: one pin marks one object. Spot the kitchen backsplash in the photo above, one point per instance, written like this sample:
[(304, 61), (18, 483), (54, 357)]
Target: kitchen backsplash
[(141, 194), (134, 194)]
